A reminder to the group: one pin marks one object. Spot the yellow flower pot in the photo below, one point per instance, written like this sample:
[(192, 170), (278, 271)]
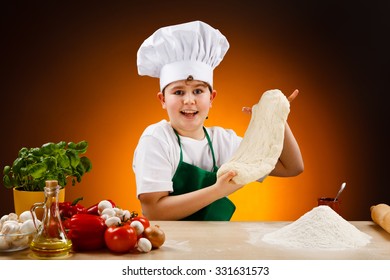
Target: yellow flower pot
[(24, 200)]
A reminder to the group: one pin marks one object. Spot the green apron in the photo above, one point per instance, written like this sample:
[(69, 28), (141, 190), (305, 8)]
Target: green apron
[(189, 178)]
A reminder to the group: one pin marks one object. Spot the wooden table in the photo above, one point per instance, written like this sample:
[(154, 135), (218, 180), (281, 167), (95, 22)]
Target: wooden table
[(234, 241)]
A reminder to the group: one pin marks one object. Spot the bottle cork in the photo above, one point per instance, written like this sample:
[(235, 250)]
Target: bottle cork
[(51, 183)]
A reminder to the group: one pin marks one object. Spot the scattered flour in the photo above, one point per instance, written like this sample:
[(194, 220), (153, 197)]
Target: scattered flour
[(320, 228)]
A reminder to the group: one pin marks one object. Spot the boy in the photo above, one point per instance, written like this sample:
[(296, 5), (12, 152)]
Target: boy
[(175, 162)]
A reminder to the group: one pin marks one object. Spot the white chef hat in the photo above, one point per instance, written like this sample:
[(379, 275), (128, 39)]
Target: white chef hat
[(174, 53)]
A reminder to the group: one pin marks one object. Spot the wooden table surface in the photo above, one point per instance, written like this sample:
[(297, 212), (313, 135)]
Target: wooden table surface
[(233, 241)]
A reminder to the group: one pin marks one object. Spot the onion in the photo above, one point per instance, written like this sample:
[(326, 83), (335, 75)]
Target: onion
[(155, 235)]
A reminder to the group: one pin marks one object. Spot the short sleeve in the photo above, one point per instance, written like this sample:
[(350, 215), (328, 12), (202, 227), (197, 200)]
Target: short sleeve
[(151, 165)]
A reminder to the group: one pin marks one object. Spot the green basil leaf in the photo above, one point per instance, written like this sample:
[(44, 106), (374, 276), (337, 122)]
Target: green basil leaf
[(48, 148), (73, 157), (23, 152), (80, 169), (18, 163), (86, 162), (23, 171), (81, 147), (51, 163), (71, 145), (36, 152), (63, 161), (7, 182), (37, 170), (6, 169), (61, 145), (61, 179)]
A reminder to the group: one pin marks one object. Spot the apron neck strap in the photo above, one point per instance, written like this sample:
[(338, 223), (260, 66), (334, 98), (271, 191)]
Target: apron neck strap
[(215, 168)]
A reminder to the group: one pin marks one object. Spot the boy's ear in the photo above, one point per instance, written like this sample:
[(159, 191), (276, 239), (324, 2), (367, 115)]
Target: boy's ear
[(213, 94), (160, 96)]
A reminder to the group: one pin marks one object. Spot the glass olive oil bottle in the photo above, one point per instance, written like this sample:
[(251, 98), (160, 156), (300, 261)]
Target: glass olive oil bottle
[(50, 239)]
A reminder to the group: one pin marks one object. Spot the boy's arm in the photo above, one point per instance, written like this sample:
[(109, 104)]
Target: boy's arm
[(290, 162), (161, 206)]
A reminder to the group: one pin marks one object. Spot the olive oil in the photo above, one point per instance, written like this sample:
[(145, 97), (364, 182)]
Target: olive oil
[(51, 248), (50, 240)]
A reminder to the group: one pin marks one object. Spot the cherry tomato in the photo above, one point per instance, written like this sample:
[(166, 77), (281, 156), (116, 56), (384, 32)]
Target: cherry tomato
[(144, 221), (120, 239)]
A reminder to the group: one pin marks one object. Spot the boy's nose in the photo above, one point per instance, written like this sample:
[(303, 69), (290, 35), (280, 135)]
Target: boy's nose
[(189, 99)]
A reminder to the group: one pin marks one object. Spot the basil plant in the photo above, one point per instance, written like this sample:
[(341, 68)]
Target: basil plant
[(51, 161)]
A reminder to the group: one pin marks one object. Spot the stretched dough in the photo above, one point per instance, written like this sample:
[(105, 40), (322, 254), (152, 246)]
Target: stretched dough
[(262, 143)]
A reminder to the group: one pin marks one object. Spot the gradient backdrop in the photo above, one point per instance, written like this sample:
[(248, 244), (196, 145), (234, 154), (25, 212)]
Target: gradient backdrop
[(68, 72)]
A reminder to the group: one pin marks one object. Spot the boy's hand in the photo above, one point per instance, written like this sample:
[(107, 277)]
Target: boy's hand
[(227, 177), (225, 184), (293, 95)]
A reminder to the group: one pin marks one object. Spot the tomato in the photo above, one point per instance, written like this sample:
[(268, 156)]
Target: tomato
[(120, 239), (144, 221)]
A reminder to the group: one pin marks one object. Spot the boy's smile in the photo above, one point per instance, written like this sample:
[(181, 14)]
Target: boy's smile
[(189, 113)]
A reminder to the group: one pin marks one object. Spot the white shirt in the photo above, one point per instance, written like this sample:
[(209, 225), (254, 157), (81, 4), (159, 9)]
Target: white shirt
[(157, 154)]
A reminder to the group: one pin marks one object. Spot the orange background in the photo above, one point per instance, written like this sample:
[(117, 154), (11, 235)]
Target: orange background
[(69, 73)]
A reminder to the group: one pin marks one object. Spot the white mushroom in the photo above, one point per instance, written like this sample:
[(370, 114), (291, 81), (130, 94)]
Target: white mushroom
[(20, 242), (4, 218), (10, 227), (112, 221), (26, 215), (118, 212), (13, 217), (126, 215), (144, 245), (103, 205), (138, 226), (27, 227), (110, 212)]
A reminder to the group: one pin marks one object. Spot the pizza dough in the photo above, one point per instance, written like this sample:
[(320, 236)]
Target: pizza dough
[(262, 143)]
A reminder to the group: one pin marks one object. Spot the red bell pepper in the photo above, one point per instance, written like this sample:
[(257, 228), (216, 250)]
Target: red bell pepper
[(68, 209), (94, 208), (86, 231)]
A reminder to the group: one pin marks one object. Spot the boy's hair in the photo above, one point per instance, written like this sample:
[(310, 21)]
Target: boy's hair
[(189, 79)]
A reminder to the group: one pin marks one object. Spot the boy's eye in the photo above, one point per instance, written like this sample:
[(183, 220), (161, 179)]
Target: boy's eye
[(198, 91), (179, 92)]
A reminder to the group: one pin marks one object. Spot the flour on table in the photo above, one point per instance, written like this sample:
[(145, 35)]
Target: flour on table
[(320, 228)]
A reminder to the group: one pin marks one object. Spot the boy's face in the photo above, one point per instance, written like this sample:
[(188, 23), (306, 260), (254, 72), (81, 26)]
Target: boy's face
[(187, 104)]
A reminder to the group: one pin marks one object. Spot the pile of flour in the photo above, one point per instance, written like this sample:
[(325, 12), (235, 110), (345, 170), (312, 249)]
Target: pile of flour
[(320, 228)]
